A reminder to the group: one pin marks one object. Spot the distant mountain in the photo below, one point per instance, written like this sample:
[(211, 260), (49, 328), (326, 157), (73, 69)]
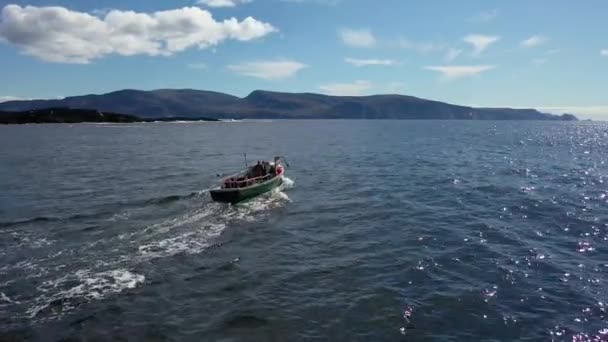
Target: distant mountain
[(188, 103)]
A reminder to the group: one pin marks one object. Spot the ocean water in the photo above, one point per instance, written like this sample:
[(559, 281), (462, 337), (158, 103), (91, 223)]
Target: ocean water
[(385, 231)]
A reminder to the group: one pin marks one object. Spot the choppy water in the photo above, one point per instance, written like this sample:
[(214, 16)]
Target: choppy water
[(387, 230)]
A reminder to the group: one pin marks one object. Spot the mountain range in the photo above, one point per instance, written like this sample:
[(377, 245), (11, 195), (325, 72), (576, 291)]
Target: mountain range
[(190, 103)]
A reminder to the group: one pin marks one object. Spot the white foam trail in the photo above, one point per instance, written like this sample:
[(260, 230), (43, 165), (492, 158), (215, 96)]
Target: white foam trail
[(288, 183), (5, 298), (284, 196), (212, 219), (120, 216), (247, 210), (26, 240), (191, 242), (92, 286), (191, 217)]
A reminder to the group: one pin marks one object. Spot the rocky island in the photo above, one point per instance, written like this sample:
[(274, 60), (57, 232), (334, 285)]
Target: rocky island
[(72, 115), (63, 115)]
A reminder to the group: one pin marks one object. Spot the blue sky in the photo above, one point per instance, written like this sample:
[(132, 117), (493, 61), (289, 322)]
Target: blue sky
[(551, 55)]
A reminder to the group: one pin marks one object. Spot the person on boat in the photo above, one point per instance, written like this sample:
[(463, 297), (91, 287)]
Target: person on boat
[(255, 171), (267, 168)]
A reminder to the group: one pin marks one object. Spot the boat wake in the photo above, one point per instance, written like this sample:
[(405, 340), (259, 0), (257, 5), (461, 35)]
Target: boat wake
[(195, 231), (105, 266)]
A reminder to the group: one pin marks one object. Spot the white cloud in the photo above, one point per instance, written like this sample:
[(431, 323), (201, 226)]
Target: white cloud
[(356, 88), (451, 72), (11, 98), (480, 42), (420, 47), (357, 38), (484, 17), (222, 3), (57, 34), (370, 62), (533, 41), (604, 52), (452, 54), (268, 70)]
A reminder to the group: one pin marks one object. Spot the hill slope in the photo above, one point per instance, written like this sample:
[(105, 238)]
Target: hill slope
[(260, 104)]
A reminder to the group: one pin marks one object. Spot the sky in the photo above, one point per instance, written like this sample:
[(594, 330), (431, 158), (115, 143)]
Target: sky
[(547, 54)]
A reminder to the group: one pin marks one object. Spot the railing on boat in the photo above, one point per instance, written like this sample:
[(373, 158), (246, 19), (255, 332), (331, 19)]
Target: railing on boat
[(232, 184)]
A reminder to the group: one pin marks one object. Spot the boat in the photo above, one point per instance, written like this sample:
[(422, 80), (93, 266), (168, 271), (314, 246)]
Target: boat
[(251, 182)]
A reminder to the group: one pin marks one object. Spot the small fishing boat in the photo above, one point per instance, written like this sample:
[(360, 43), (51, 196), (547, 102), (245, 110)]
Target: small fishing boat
[(253, 181)]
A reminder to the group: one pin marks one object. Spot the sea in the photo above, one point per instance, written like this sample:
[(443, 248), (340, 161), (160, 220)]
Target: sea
[(382, 231)]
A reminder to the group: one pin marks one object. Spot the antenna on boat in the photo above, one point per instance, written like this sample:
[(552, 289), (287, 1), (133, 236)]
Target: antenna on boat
[(245, 155)]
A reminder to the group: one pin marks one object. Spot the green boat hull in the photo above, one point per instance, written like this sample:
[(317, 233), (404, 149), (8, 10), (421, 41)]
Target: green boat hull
[(240, 194)]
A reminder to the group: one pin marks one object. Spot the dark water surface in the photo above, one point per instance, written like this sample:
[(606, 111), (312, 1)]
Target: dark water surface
[(386, 231)]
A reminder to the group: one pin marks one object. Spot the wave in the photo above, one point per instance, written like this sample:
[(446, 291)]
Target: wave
[(244, 321), (52, 219), (114, 215), (31, 220)]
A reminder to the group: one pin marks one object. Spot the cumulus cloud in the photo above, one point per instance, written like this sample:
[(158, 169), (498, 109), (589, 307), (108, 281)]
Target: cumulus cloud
[(356, 88), (222, 3), (604, 52), (452, 72), (370, 62), (485, 16), (452, 54), (57, 34), (357, 38), (480, 42), (268, 70), (533, 41)]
